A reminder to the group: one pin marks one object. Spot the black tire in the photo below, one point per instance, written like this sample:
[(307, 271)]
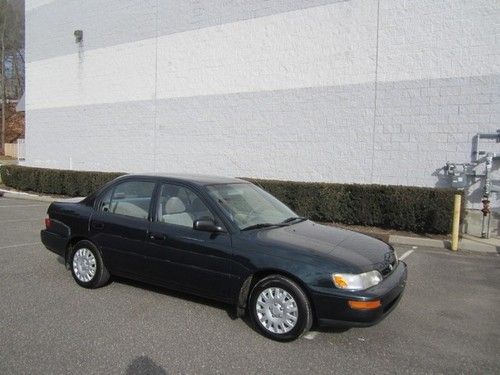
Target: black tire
[(305, 316), (101, 275)]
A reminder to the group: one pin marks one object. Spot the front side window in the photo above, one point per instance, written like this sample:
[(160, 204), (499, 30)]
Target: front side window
[(179, 205), (130, 198), (247, 205)]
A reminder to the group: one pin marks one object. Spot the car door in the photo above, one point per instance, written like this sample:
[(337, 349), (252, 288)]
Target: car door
[(120, 225), (180, 256)]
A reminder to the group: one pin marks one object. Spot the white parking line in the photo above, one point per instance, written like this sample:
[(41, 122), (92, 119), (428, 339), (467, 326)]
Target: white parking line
[(20, 245), (405, 254), (23, 205), (310, 335), (20, 220)]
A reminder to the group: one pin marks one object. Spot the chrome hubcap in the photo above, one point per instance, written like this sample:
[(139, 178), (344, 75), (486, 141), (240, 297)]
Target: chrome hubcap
[(84, 265), (277, 310)]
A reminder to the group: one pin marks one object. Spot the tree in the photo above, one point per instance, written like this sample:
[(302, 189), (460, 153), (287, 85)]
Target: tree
[(11, 55)]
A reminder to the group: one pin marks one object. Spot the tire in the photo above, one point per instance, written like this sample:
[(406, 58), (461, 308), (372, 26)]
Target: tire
[(274, 303), (87, 266)]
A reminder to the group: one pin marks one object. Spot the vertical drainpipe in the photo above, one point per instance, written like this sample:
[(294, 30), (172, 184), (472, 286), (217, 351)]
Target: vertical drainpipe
[(375, 94), (485, 225), (155, 122), (79, 41)]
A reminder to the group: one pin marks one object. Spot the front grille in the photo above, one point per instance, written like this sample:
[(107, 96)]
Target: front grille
[(388, 265)]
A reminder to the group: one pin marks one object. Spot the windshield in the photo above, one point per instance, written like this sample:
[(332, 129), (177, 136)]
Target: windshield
[(249, 206)]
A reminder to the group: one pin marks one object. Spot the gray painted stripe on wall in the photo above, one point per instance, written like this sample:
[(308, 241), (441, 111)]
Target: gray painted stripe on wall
[(50, 27), (315, 134)]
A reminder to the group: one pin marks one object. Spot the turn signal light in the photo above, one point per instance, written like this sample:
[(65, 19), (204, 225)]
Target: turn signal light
[(365, 305), (340, 281), (48, 222)]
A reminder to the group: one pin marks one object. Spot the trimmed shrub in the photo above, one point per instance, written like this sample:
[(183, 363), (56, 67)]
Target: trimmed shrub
[(54, 181), (415, 209)]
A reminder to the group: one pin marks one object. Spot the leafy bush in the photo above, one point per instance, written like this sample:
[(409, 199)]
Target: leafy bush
[(54, 181), (415, 209), (420, 210)]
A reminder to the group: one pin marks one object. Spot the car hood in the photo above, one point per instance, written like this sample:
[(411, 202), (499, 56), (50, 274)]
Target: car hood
[(346, 248)]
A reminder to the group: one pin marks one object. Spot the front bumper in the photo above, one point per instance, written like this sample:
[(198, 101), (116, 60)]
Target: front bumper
[(332, 307)]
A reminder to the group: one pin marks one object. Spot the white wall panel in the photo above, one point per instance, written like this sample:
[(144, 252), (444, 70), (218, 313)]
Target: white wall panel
[(125, 72), (321, 46), (33, 4), (328, 45), (429, 39)]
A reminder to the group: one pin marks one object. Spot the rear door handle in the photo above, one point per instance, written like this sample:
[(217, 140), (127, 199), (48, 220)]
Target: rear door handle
[(157, 237)]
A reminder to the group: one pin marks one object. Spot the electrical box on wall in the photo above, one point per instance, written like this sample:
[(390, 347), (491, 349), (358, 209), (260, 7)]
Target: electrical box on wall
[(459, 182), (459, 175)]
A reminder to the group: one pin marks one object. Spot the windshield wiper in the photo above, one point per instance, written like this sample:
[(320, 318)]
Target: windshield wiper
[(290, 219), (263, 225), (284, 223)]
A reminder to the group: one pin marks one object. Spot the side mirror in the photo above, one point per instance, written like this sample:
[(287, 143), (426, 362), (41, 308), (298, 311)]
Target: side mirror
[(207, 226)]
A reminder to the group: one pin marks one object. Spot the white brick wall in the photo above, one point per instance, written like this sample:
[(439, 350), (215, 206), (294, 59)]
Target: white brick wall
[(248, 56), (302, 90), (429, 39)]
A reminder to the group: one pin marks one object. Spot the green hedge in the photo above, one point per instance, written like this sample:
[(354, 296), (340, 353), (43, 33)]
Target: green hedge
[(54, 181), (420, 210), (415, 209)]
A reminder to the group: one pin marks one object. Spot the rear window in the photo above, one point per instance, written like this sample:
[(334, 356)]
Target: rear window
[(130, 198)]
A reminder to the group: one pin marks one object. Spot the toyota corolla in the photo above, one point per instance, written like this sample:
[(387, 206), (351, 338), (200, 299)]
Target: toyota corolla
[(229, 240)]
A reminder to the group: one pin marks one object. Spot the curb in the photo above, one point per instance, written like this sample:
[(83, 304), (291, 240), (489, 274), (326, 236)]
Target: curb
[(417, 241), (467, 243), (34, 197)]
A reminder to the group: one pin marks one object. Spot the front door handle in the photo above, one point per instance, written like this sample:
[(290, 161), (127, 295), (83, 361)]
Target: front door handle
[(97, 225), (157, 237)]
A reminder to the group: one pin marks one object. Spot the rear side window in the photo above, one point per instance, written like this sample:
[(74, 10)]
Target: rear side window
[(131, 198)]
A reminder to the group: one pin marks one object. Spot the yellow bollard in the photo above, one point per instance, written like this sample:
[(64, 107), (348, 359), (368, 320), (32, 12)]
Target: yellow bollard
[(456, 222)]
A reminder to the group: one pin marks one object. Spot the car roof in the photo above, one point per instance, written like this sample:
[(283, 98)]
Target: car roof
[(192, 178)]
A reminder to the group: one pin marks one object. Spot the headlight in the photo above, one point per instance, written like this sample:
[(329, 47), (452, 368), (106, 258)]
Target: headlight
[(356, 282)]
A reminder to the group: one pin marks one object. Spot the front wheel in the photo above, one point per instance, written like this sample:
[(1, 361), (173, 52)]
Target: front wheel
[(280, 309), (87, 266)]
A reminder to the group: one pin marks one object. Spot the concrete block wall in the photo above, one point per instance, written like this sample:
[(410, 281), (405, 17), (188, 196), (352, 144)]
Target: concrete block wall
[(314, 90)]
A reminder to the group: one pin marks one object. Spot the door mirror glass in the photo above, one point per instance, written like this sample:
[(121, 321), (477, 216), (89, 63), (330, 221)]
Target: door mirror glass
[(207, 226)]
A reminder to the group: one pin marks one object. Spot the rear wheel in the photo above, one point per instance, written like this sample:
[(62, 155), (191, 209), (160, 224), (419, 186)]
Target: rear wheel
[(87, 266), (280, 309)]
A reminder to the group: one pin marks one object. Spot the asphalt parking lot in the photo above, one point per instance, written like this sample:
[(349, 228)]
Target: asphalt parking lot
[(447, 322)]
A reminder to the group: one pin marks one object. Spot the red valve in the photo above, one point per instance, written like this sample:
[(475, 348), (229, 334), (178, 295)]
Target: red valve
[(486, 207)]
